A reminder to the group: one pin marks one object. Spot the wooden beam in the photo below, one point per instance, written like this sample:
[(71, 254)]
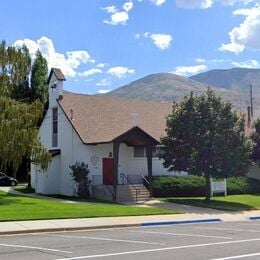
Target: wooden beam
[(116, 145), (149, 155)]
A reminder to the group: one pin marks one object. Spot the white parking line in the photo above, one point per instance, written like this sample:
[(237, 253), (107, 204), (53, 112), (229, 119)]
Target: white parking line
[(111, 239), (179, 234), (230, 229), (160, 249), (236, 257), (35, 247)]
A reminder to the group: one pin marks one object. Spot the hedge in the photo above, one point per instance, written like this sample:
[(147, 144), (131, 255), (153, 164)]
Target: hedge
[(171, 186)]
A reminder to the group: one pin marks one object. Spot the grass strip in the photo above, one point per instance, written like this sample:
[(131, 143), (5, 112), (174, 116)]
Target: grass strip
[(14, 207), (228, 203)]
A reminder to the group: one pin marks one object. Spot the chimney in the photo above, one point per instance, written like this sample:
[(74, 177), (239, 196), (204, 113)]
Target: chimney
[(71, 114), (249, 117)]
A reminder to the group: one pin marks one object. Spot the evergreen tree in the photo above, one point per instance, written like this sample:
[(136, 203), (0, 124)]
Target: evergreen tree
[(255, 137), (205, 137), (39, 77)]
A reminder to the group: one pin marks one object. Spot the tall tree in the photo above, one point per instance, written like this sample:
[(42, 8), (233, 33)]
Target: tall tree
[(15, 67), (18, 133), (255, 137), (205, 137), (15, 74), (39, 77)]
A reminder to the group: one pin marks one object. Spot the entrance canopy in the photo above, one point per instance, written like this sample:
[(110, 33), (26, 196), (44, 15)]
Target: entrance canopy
[(134, 137)]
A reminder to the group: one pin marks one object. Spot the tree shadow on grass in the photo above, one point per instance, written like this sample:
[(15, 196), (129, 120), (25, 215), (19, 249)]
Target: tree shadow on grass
[(214, 204)]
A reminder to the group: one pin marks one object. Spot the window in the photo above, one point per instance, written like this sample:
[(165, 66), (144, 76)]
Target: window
[(140, 152), (55, 127)]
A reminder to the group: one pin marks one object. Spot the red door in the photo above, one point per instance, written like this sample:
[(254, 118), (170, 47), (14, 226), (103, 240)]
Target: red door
[(108, 172)]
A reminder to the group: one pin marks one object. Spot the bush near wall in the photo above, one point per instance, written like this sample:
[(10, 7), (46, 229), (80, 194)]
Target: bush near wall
[(170, 186)]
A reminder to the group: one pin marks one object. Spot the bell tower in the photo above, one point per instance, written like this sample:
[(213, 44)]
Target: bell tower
[(55, 82)]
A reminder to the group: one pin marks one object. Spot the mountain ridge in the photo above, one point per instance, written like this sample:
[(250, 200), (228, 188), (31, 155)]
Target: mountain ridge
[(171, 87)]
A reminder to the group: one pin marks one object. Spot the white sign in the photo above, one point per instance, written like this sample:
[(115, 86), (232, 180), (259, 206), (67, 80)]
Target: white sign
[(218, 187)]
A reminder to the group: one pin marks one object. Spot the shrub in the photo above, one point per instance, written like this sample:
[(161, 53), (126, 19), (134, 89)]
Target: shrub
[(242, 185), (80, 174), (189, 186)]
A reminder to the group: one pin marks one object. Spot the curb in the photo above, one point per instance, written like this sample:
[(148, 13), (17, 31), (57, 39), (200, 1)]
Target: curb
[(63, 229), (177, 222), (254, 218)]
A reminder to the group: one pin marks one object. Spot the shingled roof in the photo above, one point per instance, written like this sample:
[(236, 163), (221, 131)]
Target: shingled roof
[(100, 119), (58, 73)]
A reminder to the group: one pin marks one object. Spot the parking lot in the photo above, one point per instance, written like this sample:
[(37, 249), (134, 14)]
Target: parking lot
[(224, 240)]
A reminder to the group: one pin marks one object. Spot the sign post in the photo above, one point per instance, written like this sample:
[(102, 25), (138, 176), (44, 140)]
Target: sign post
[(218, 186)]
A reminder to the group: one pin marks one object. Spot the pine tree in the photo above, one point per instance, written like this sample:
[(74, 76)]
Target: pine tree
[(39, 77)]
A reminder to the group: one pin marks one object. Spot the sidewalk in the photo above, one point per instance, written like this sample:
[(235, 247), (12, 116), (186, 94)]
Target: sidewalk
[(16, 227), (193, 214)]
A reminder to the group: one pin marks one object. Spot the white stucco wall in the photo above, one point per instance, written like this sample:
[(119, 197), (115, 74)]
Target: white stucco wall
[(57, 178)]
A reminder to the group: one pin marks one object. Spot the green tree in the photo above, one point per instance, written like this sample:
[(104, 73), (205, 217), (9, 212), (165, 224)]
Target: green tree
[(18, 133), (80, 174), (15, 74), (20, 78), (255, 137), (205, 137), (15, 67), (39, 77)]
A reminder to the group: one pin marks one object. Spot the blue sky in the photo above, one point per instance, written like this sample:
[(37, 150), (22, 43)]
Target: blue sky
[(103, 44)]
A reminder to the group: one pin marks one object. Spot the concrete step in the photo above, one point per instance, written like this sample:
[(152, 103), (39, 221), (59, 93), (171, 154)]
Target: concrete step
[(130, 193)]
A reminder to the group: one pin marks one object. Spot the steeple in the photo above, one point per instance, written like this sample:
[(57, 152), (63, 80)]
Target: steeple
[(55, 82)]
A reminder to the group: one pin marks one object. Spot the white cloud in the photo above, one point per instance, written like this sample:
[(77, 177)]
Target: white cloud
[(200, 60), (235, 2), (68, 62), (191, 4), (158, 2), (219, 60), (120, 71), (104, 82), (160, 40), (189, 70), (127, 6), (101, 65), (250, 64), (110, 9), (247, 34), (90, 72), (118, 17), (103, 91)]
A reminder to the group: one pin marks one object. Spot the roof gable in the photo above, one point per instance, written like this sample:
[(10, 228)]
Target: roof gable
[(58, 74), (101, 119)]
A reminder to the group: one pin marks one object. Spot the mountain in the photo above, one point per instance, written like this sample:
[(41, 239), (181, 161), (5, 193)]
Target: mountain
[(160, 86), (237, 79), (170, 87)]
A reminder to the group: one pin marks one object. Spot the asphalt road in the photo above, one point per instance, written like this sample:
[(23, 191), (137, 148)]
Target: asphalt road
[(225, 240)]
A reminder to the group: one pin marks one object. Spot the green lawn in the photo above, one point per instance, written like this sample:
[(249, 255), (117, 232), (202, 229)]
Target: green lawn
[(13, 207), (230, 203)]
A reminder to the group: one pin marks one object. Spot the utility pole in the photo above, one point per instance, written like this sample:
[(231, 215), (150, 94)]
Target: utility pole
[(251, 99)]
